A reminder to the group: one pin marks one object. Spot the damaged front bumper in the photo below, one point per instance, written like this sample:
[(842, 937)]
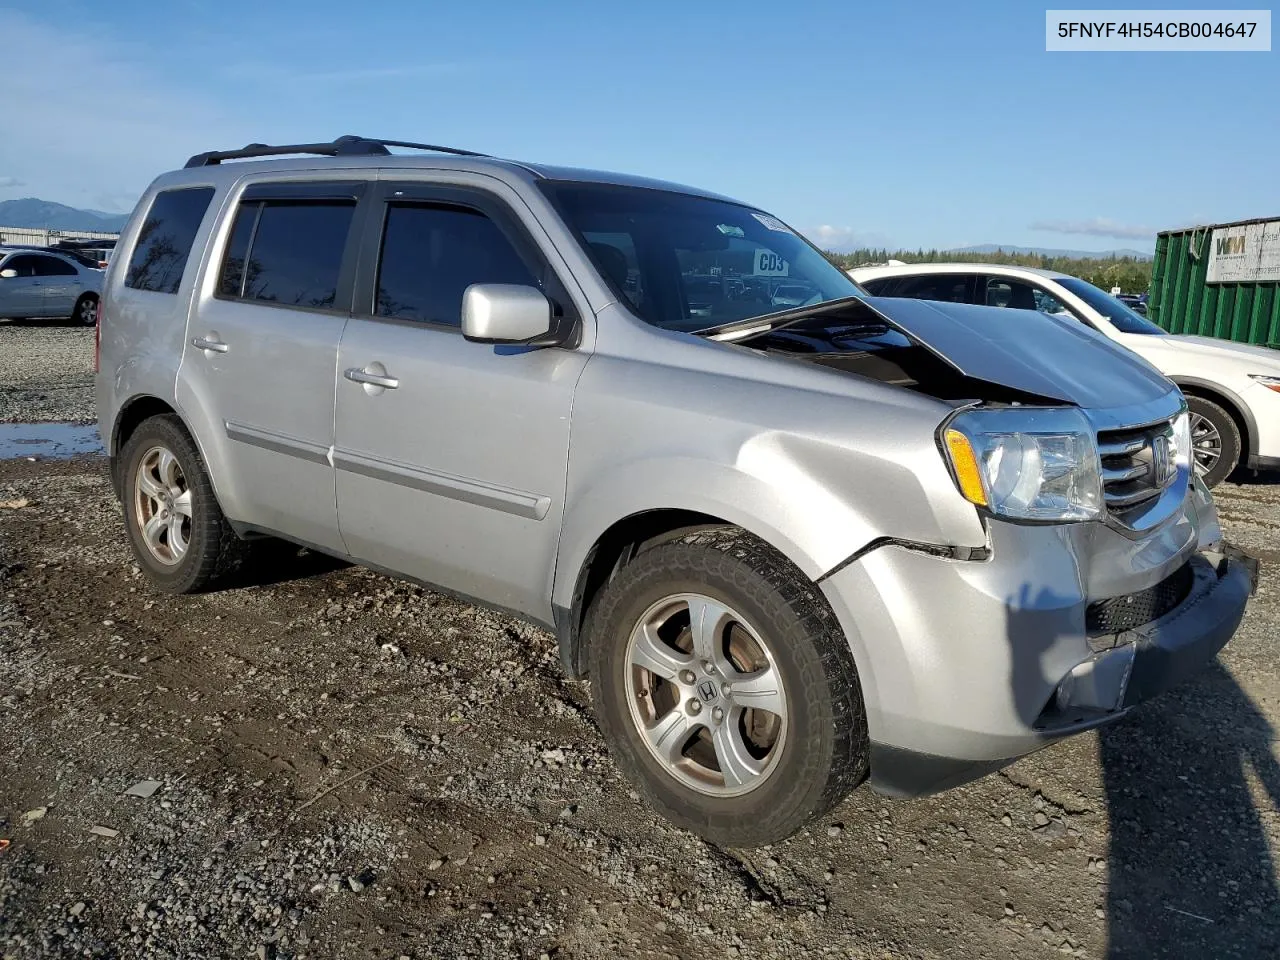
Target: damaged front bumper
[(1136, 664), (968, 666)]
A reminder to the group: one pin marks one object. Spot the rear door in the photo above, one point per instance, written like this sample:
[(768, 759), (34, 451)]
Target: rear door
[(454, 470), (60, 283), (263, 348)]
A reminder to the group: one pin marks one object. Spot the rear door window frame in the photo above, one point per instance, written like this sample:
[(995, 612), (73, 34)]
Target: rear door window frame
[(260, 193)]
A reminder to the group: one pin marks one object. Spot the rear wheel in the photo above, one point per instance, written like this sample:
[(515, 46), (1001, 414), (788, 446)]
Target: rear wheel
[(180, 537), (726, 688), (1215, 440), (86, 311)]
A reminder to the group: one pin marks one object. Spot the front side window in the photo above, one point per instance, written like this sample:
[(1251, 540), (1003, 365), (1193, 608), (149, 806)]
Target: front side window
[(431, 254), (685, 262), (164, 241), (24, 265), (287, 252), (1004, 292)]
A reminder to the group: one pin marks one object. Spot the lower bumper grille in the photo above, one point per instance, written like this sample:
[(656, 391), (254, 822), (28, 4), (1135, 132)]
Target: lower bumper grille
[(1118, 614)]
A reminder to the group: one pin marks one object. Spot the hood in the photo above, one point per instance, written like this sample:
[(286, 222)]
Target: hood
[(1026, 350), (1224, 349)]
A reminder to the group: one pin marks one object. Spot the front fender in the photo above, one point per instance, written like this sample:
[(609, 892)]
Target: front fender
[(801, 498)]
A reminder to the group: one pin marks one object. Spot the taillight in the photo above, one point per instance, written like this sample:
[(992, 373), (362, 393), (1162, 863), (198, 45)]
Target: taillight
[(97, 337)]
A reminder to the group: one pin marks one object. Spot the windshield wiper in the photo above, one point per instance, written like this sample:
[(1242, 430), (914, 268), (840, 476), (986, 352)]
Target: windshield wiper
[(739, 330)]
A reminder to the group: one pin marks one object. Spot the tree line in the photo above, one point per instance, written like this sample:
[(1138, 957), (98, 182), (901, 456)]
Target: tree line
[(1130, 274)]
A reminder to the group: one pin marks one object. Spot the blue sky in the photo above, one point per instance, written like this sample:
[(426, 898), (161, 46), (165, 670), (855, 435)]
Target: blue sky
[(935, 124)]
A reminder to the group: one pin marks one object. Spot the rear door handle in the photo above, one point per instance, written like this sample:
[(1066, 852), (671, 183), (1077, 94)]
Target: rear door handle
[(356, 375), (217, 346)]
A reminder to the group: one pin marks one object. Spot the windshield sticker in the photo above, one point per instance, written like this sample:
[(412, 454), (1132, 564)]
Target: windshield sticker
[(772, 223), (729, 230)]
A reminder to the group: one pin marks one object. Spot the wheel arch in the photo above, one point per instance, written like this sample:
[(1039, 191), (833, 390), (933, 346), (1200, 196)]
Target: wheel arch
[(132, 414), (1229, 401)]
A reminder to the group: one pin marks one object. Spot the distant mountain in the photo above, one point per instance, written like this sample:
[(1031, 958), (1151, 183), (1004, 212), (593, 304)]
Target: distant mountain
[(47, 215), (1050, 252)]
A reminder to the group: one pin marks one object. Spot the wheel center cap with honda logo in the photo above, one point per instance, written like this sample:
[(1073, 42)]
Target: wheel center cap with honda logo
[(707, 690)]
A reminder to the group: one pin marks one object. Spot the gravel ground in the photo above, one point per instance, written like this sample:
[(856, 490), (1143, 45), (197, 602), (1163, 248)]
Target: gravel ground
[(351, 766), (46, 371)]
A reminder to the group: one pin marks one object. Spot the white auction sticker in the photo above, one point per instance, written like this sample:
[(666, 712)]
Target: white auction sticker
[(1155, 30)]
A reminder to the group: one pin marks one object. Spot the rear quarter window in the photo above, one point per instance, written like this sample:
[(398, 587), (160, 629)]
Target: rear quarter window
[(164, 241)]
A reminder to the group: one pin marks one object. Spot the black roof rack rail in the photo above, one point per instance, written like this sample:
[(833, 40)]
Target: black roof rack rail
[(346, 146)]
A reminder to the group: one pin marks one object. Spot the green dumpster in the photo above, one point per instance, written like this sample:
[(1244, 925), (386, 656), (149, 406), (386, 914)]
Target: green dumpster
[(1221, 281)]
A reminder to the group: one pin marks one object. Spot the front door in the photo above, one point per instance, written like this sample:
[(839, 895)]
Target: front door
[(263, 348), (451, 456), (22, 295)]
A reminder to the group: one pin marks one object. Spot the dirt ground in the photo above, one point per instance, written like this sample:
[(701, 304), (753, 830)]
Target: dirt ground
[(351, 766)]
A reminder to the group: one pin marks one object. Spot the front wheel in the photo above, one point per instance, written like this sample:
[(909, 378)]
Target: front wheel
[(726, 688), (1215, 440)]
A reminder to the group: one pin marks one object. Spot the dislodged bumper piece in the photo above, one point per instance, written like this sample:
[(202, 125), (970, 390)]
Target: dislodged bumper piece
[(1137, 664)]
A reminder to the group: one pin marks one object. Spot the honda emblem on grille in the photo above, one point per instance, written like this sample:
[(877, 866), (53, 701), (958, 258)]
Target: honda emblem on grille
[(1163, 468)]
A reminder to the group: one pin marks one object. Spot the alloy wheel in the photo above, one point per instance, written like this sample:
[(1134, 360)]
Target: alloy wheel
[(1206, 443), (706, 695), (162, 505)]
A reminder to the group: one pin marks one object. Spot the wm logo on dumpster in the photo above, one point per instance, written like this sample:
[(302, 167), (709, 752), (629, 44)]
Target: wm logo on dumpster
[(1230, 245)]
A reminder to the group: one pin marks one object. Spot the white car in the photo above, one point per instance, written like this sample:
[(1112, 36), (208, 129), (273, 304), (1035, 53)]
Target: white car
[(1232, 389), (41, 283)]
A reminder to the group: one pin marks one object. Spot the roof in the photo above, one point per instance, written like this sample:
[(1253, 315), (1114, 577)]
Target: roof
[(1007, 269), (366, 153)]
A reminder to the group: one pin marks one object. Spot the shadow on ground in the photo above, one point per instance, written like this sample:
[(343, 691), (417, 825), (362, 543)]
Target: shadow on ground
[(1189, 780)]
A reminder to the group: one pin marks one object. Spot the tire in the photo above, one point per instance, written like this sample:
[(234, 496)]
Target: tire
[(800, 760), (86, 311), (194, 548), (1215, 440)]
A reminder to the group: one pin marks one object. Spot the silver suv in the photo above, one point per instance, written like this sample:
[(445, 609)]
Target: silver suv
[(792, 550)]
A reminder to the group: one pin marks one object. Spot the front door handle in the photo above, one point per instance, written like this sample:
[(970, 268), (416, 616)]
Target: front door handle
[(204, 343), (356, 375)]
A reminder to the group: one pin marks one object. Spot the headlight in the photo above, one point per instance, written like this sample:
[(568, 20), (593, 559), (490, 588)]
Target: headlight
[(1271, 383), (1027, 463)]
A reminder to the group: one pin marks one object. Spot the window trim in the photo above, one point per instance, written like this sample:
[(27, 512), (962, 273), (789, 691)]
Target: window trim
[(477, 200), (192, 252), (298, 191)]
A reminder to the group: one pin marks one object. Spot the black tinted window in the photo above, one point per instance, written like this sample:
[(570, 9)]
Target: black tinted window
[(164, 242), (295, 255), (24, 266), (1003, 292), (54, 267), (430, 255), (950, 287), (231, 280)]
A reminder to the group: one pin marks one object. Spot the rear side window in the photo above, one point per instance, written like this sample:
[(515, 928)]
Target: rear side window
[(431, 254), (287, 252), (54, 267), (164, 242), (950, 287)]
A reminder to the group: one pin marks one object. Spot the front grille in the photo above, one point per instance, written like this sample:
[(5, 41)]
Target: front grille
[(1118, 614), (1137, 466)]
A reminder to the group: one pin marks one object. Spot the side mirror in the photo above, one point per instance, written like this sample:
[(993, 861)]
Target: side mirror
[(509, 313), (8, 274)]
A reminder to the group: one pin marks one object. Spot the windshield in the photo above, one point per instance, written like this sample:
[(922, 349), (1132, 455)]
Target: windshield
[(1121, 317), (686, 263)]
